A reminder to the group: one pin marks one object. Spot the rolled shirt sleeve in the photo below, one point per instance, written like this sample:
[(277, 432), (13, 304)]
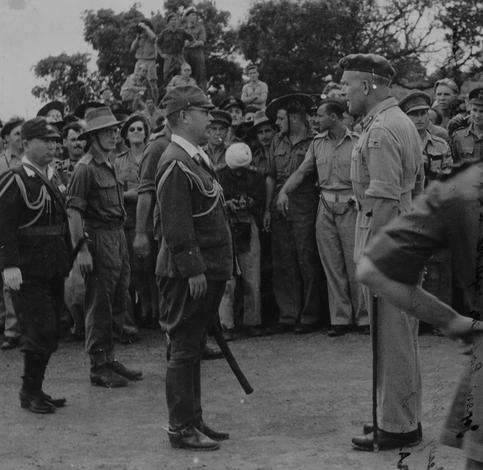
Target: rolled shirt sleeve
[(77, 194)]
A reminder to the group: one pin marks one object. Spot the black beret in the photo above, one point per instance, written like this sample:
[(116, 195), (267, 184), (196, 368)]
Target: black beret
[(476, 96), (371, 63), (10, 125), (415, 101)]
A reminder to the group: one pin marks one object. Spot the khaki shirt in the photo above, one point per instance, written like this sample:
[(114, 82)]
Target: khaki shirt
[(332, 160), (467, 145), (437, 157), (387, 159)]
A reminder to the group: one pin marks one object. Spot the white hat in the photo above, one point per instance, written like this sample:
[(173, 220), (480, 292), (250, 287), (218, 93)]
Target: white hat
[(238, 155)]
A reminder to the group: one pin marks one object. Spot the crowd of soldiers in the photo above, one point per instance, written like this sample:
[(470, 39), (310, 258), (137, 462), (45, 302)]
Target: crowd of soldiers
[(251, 216)]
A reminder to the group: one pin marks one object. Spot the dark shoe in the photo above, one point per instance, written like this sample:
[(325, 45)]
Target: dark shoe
[(55, 402), (386, 440), (191, 439), (122, 370), (10, 343), (368, 427), (364, 329), (210, 353), (211, 433), (281, 328), (302, 328), (104, 376), (254, 331), (34, 402), (232, 334), (338, 330)]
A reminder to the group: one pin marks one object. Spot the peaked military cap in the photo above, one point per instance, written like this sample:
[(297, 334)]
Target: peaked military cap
[(371, 63), (232, 102), (415, 101), (285, 101), (184, 97), (476, 96), (223, 117), (38, 128)]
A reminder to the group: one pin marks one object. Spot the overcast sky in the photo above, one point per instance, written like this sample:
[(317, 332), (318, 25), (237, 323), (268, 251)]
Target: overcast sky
[(33, 29)]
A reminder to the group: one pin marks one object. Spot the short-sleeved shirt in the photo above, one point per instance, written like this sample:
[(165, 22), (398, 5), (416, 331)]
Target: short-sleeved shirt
[(332, 160), (437, 157), (387, 159), (95, 192), (467, 145), (284, 159), (258, 90), (127, 171), (198, 33), (146, 49), (171, 41)]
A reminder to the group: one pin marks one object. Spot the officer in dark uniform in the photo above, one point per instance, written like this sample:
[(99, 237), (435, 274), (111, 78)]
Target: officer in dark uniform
[(194, 262), (95, 202), (35, 256)]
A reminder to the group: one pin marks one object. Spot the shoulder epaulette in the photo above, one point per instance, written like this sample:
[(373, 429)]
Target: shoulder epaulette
[(86, 159)]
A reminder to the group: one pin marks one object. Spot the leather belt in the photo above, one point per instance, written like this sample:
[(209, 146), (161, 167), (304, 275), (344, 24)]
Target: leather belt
[(335, 196), (43, 230)]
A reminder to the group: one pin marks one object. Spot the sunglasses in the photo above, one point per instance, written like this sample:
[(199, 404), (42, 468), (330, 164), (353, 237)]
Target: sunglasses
[(136, 129)]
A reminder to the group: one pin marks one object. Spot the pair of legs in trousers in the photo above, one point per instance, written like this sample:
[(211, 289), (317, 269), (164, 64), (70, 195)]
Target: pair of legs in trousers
[(39, 304), (186, 322), (298, 278)]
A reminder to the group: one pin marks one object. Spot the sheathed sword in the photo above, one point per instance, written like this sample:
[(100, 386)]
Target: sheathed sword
[(247, 388)]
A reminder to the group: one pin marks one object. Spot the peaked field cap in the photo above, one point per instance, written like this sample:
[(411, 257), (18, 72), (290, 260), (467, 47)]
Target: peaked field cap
[(475, 96), (284, 101), (232, 102), (57, 105), (184, 97), (370, 63), (38, 128), (98, 119), (223, 117), (451, 84), (10, 125), (415, 101)]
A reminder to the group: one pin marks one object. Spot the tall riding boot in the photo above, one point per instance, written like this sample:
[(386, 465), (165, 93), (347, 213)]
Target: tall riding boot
[(30, 395), (180, 399), (199, 423), (56, 402)]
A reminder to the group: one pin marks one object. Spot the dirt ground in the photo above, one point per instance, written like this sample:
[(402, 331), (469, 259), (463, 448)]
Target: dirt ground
[(312, 393)]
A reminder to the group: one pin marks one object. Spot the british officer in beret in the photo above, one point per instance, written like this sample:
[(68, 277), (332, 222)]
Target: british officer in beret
[(385, 164)]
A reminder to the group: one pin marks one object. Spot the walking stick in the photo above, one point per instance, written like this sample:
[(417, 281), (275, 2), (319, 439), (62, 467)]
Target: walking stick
[(374, 338)]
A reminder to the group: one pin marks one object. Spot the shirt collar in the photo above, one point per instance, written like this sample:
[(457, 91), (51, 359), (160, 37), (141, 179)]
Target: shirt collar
[(31, 174), (192, 150), (386, 103)]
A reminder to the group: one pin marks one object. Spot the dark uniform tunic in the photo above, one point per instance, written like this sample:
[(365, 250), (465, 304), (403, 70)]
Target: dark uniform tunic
[(34, 237), (297, 271), (95, 192), (195, 240)]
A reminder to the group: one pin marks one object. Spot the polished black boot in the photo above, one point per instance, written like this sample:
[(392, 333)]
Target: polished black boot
[(199, 423), (56, 402), (31, 393)]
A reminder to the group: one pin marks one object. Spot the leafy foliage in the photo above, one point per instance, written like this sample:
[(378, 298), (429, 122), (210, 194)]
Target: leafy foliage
[(66, 77)]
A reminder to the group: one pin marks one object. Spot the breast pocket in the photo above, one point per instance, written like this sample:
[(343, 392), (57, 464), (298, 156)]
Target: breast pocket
[(108, 191)]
